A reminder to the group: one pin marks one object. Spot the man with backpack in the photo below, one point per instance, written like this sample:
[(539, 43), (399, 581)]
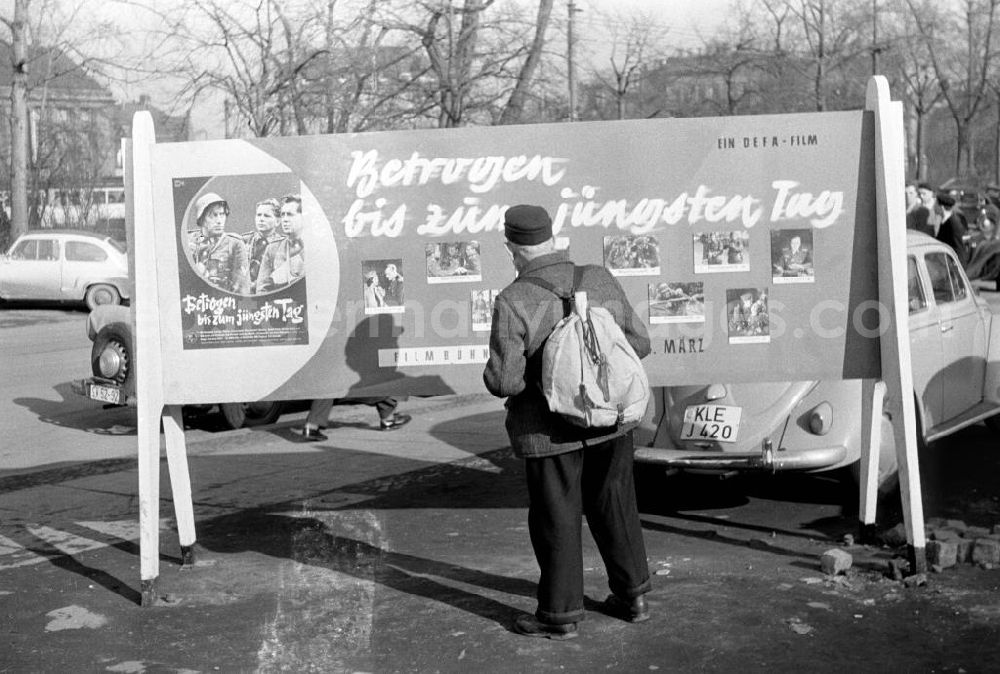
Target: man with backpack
[(571, 469)]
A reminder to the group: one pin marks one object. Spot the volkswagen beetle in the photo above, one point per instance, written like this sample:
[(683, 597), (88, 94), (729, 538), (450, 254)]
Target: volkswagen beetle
[(814, 426)]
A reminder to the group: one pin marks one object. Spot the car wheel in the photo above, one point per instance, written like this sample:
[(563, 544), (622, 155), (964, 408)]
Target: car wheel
[(238, 415), (111, 356), (101, 293)]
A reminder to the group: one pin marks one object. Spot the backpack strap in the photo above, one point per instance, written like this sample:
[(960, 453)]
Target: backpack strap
[(564, 295)]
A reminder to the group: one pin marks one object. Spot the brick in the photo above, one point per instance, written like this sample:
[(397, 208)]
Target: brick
[(957, 525), (986, 551), (976, 532), (945, 534), (996, 528), (835, 561), (942, 553), (964, 550)]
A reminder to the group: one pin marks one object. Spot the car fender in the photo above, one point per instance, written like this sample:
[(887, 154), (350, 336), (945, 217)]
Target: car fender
[(105, 315), (991, 388)]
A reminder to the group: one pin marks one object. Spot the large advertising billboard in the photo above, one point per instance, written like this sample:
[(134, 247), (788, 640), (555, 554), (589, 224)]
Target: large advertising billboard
[(367, 264)]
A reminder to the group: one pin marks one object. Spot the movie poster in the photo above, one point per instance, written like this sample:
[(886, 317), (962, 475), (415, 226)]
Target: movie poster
[(241, 254)]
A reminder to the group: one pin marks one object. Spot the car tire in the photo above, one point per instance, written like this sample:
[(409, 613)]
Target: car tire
[(101, 293), (116, 337), (238, 415)]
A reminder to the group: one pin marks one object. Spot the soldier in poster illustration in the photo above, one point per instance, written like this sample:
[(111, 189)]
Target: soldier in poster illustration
[(266, 231), (218, 256), (284, 260), (791, 255)]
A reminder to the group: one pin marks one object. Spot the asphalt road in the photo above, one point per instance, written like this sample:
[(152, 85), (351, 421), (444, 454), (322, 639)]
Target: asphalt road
[(408, 551), (41, 420)]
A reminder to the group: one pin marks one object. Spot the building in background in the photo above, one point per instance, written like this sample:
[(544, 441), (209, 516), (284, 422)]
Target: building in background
[(75, 174)]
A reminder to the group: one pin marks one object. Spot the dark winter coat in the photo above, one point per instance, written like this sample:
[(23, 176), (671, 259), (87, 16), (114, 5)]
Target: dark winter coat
[(523, 316)]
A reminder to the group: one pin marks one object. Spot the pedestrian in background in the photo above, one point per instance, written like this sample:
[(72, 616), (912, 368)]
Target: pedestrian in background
[(319, 415), (916, 213), (570, 471), (952, 231), (928, 199)]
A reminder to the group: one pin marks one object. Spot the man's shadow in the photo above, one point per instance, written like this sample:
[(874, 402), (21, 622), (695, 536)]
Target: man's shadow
[(308, 541), (370, 352)]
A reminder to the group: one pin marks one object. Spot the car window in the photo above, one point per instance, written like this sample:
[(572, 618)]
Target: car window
[(26, 250), (937, 270), (915, 290), (36, 249), (48, 249), (958, 288), (117, 245), (80, 251)]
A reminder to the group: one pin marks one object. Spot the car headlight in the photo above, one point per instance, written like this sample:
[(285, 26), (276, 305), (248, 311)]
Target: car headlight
[(821, 418)]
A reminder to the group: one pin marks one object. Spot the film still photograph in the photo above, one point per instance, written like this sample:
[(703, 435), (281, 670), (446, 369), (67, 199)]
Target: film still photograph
[(382, 286), (721, 252), (747, 315), (632, 255), (792, 256), (677, 302), (453, 262), (482, 309)]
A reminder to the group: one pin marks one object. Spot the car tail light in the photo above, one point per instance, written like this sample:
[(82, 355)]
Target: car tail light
[(820, 419)]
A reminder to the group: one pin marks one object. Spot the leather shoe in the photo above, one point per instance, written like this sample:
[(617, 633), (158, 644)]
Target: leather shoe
[(394, 422), (633, 610), (530, 626), (310, 434)]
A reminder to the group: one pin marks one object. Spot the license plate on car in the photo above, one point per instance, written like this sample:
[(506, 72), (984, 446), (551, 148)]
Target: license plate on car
[(106, 394), (719, 423)]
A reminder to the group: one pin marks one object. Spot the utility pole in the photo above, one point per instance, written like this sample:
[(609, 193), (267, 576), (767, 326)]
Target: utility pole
[(19, 122), (875, 47), (570, 39)]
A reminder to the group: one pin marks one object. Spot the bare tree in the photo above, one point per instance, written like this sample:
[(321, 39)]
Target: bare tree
[(514, 110), (920, 87), (635, 42), (961, 47), (57, 49), (833, 36), (19, 121)]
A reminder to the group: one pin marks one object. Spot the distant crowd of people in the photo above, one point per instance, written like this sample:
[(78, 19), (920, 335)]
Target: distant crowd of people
[(938, 214)]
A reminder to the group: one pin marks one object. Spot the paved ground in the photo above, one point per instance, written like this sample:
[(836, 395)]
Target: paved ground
[(408, 552)]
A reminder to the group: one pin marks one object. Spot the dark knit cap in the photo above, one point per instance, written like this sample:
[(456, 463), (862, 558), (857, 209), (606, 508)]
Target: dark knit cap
[(527, 225), (945, 199)]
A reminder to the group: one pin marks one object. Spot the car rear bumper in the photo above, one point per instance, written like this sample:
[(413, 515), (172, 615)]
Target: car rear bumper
[(766, 460)]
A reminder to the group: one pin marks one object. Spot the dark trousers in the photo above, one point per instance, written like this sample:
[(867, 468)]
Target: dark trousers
[(319, 410), (597, 482)]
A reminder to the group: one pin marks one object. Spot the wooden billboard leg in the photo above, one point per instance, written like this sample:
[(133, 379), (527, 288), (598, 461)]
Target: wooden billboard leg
[(148, 413), (180, 481), (909, 488), (894, 337), (872, 397)]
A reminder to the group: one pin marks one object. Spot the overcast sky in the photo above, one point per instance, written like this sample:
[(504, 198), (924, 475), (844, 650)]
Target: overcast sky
[(685, 20)]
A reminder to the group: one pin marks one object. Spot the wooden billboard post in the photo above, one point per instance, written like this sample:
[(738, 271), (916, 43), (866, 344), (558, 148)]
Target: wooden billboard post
[(149, 379), (896, 385)]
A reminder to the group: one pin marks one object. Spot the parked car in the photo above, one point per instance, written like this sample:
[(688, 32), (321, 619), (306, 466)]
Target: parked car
[(65, 265), (109, 327), (815, 426)]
